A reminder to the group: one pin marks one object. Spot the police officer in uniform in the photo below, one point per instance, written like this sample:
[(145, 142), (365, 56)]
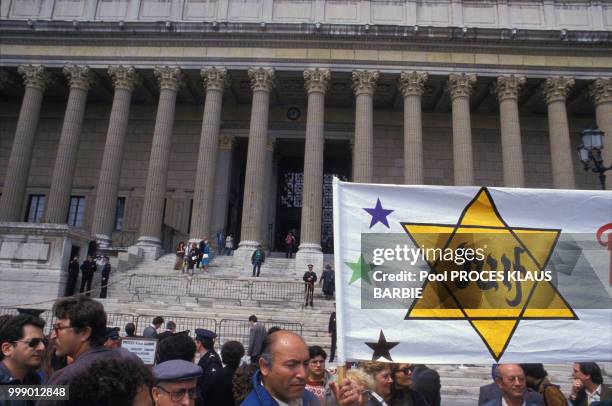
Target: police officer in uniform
[(210, 362)]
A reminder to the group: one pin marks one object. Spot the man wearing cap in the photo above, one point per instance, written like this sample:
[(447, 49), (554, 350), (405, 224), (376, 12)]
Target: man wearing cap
[(210, 362), (309, 278), (111, 338), (175, 383)]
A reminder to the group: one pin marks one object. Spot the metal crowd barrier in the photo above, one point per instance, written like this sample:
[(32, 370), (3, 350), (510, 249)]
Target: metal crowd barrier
[(142, 286), (120, 320), (150, 286), (182, 323), (47, 316), (269, 291), (218, 288), (238, 330)]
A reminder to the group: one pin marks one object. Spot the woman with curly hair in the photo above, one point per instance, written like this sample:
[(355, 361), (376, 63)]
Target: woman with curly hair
[(112, 382)]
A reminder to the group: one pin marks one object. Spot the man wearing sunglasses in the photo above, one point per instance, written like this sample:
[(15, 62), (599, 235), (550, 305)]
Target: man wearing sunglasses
[(79, 332), (22, 345), (175, 383)]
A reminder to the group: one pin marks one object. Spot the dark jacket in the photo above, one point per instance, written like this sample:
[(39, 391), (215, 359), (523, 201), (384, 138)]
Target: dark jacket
[(220, 392), (261, 259), (310, 276), (73, 268), (66, 375), (259, 396), (211, 365), (492, 392), (328, 278), (89, 266), (426, 381), (106, 270), (605, 394), (6, 378)]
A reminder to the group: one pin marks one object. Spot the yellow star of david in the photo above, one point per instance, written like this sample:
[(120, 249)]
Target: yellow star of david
[(493, 308)]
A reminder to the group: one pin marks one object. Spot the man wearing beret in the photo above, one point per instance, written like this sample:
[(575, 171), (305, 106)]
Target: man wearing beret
[(210, 362), (175, 383)]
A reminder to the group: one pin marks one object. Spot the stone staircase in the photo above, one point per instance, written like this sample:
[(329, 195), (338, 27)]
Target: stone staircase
[(314, 320), (460, 383)]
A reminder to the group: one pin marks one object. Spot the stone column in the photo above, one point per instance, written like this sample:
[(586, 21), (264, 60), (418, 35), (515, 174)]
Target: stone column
[(222, 183), (364, 86), (601, 91), (16, 178), (203, 196), (556, 90), (316, 83), (124, 79), (79, 78), (412, 85), (460, 86), (269, 196), (262, 80), (155, 191), (507, 89)]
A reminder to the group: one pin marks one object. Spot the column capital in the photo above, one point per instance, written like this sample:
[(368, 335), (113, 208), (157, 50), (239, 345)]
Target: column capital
[(364, 81), (262, 79), (124, 77), (412, 83), (169, 77), (317, 80), (557, 88), (508, 87), (226, 142), (601, 90), (460, 84), (34, 76), (79, 77), (214, 78)]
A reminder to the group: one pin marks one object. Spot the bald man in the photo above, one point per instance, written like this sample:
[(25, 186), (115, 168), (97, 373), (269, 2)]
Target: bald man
[(510, 379), (283, 369)]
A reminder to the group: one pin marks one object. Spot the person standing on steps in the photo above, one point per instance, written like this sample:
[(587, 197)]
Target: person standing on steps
[(290, 243), (88, 268), (309, 279), (106, 270), (73, 275), (257, 259)]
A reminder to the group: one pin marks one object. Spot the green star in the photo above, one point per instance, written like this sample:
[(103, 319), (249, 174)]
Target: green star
[(361, 270)]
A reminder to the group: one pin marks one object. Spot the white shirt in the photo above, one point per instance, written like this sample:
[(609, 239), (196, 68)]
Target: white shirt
[(595, 396)]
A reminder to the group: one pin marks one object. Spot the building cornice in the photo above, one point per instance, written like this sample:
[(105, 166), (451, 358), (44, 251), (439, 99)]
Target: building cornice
[(249, 35)]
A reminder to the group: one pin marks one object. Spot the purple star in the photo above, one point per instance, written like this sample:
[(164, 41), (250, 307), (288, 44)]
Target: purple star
[(379, 214)]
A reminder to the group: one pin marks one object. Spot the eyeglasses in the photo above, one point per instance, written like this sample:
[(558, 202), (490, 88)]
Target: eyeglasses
[(58, 327), (176, 396), (34, 342), (406, 371)]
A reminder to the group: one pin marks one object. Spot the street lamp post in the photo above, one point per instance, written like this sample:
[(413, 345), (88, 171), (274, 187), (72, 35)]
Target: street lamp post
[(590, 153)]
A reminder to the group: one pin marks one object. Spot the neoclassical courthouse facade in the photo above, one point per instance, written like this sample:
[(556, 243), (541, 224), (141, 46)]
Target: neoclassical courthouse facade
[(146, 122)]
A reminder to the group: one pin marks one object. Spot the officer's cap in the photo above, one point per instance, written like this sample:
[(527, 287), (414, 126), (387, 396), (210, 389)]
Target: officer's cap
[(203, 334), (176, 370), (112, 332)]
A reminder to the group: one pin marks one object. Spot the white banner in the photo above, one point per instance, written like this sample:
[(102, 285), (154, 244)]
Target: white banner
[(446, 275)]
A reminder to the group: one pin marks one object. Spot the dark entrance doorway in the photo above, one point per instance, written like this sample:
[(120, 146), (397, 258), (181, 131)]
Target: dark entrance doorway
[(337, 162)]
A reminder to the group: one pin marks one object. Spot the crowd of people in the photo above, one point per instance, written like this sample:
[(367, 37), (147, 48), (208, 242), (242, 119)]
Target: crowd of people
[(277, 368), (193, 256)]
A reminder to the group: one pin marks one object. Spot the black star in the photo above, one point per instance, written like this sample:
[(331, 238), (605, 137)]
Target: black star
[(382, 347)]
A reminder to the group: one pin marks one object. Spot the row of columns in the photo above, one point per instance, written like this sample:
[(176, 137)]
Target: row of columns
[(316, 80)]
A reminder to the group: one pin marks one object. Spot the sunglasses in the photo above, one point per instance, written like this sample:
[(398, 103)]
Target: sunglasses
[(407, 370), (34, 342), (177, 396)]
